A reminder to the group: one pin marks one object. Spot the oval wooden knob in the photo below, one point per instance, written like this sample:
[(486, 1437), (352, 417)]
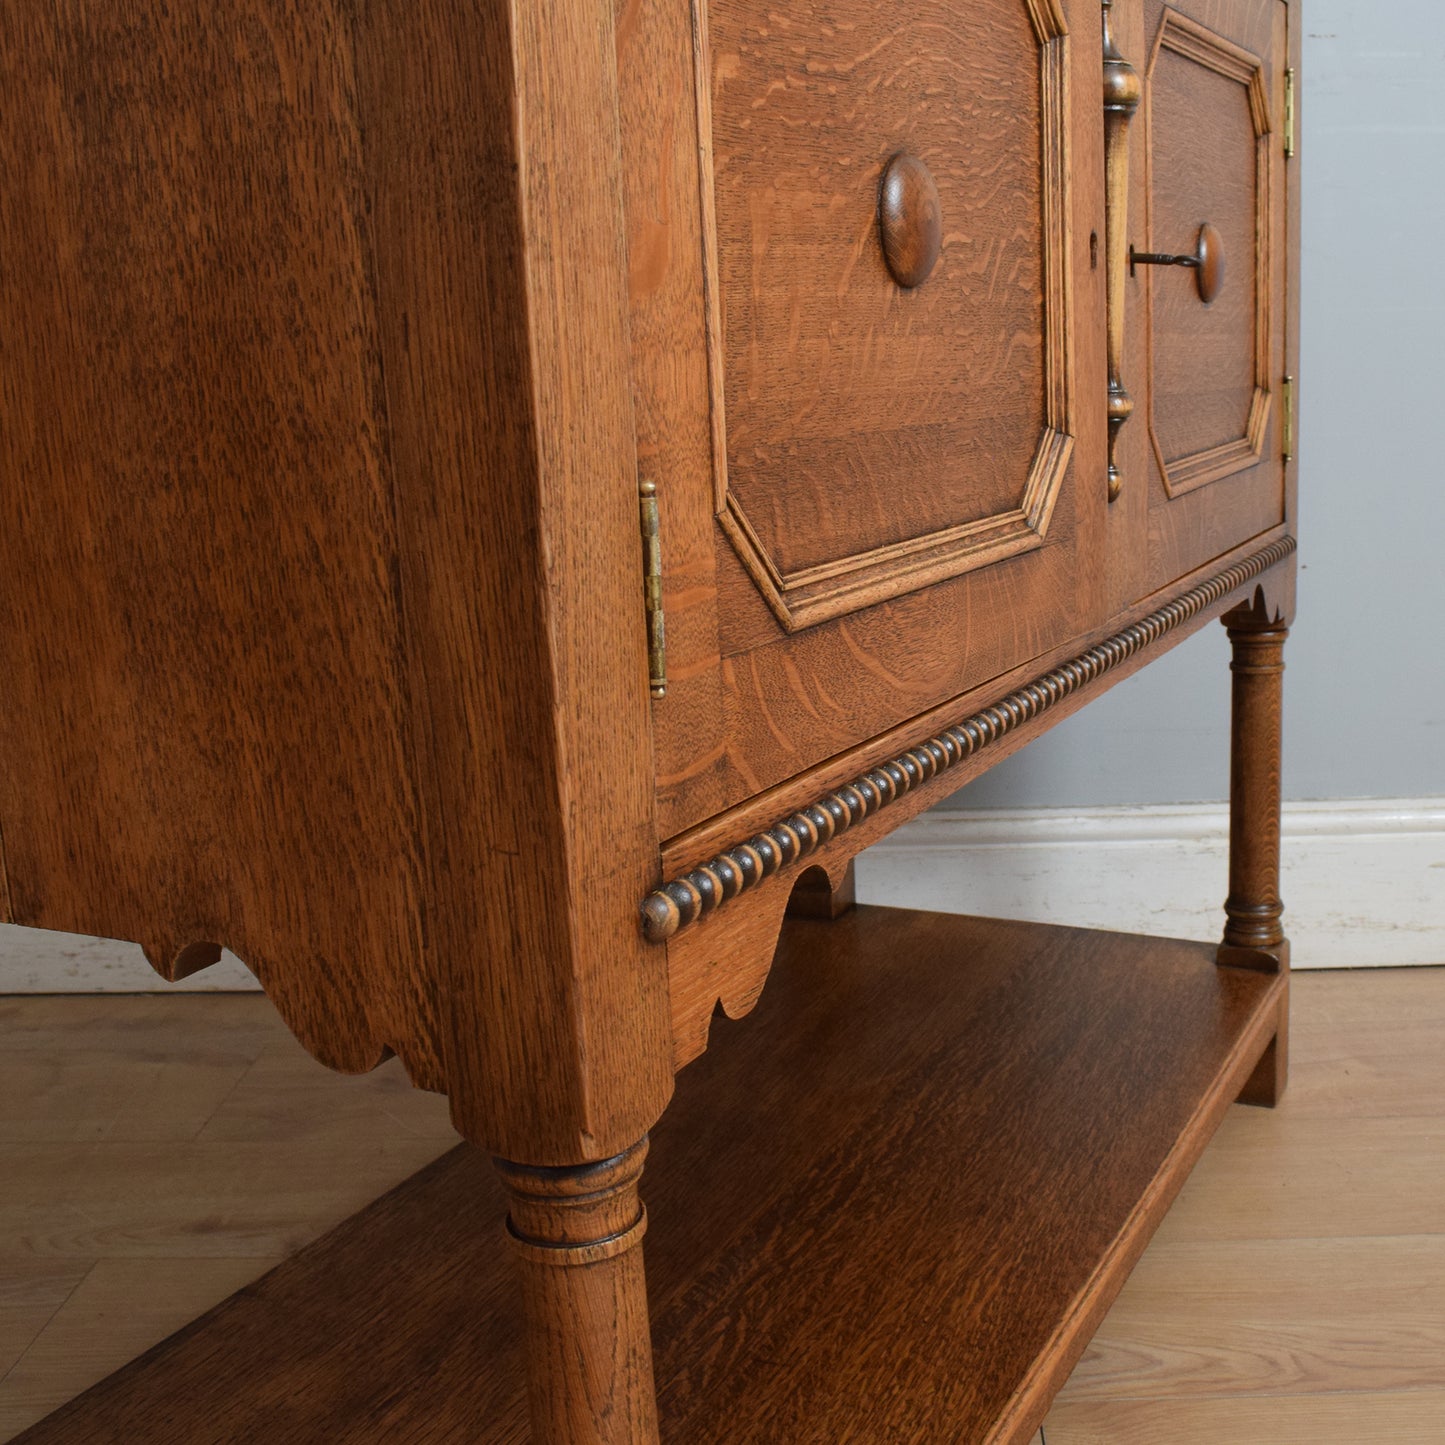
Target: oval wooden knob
[(1209, 276), (910, 220), (1207, 262)]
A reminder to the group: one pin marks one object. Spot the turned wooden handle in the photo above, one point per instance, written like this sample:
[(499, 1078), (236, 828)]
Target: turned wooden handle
[(1122, 93)]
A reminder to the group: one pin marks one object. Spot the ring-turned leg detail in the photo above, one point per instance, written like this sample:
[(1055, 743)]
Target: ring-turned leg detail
[(577, 1235), (1253, 933)]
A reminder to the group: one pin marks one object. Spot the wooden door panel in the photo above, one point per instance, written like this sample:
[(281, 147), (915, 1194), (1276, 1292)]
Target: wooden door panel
[(880, 436), (1207, 149), (1212, 154), (895, 497)]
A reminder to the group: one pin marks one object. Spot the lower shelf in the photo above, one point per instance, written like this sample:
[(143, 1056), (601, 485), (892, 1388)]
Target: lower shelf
[(890, 1206)]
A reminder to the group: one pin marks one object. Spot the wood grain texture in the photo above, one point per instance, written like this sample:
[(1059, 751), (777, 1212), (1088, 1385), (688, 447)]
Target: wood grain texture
[(682, 902), (511, 422), (576, 1237), (32, 1293), (118, 1309), (1123, 91), (161, 1152), (1407, 1418), (995, 1034), (724, 959), (338, 340), (1352, 1315), (1259, 1282), (841, 500), (1253, 930), (940, 394), (306, 652), (1325, 1179), (910, 220), (882, 1339), (197, 554), (1291, 1294), (1212, 113), (750, 705), (684, 850), (1212, 158), (719, 955), (815, 895), (666, 178)]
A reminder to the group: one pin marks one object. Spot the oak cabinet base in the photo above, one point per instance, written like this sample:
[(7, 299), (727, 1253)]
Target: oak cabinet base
[(893, 1204)]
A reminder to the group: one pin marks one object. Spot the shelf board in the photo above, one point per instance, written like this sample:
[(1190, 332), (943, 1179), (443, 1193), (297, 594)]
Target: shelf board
[(892, 1204)]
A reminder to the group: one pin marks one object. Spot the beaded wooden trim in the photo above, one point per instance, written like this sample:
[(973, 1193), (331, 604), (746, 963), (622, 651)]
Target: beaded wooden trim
[(683, 901)]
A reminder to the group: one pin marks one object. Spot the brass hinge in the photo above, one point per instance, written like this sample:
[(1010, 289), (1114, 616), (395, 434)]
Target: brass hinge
[(652, 588), (1289, 112), (1287, 388)]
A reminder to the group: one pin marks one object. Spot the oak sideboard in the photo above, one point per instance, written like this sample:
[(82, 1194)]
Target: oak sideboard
[(501, 504)]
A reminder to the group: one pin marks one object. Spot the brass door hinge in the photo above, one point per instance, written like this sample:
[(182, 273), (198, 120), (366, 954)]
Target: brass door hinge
[(1287, 388), (1289, 113), (652, 588)]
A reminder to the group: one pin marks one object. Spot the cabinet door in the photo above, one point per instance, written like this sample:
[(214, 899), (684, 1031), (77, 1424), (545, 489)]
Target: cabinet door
[(870, 427), (1210, 340)]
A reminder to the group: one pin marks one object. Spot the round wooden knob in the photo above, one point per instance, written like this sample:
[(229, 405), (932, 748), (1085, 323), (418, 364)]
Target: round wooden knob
[(910, 220), (1207, 262), (1210, 273)]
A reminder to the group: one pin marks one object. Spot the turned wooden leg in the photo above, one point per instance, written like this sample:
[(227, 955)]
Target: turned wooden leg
[(1253, 932), (577, 1234)]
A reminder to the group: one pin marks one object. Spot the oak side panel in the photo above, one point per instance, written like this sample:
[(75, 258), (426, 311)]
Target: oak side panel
[(323, 630), (203, 734), (501, 267)]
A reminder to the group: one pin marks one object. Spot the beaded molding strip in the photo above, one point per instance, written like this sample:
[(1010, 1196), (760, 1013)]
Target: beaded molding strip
[(683, 901)]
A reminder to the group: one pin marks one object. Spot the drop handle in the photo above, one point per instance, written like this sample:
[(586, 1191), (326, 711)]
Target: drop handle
[(1207, 262), (1123, 90)]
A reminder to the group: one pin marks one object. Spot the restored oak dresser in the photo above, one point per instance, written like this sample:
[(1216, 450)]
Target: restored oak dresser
[(499, 501)]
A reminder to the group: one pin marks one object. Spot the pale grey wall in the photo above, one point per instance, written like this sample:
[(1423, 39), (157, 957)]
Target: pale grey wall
[(1366, 681)]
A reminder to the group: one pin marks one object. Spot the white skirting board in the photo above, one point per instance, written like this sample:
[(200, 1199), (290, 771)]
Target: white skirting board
[(1363, 882), (35, 961), (1364, 885)]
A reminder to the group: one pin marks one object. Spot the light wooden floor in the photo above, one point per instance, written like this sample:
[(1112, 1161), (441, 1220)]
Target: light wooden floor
[(161, 1152)]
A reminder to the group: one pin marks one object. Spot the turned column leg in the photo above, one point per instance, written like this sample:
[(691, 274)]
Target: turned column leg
[(577, 1235), (1253, 932)]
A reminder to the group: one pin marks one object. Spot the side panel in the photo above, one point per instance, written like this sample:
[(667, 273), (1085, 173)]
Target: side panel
[(496, 171), (320, 620), (202, 734)]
